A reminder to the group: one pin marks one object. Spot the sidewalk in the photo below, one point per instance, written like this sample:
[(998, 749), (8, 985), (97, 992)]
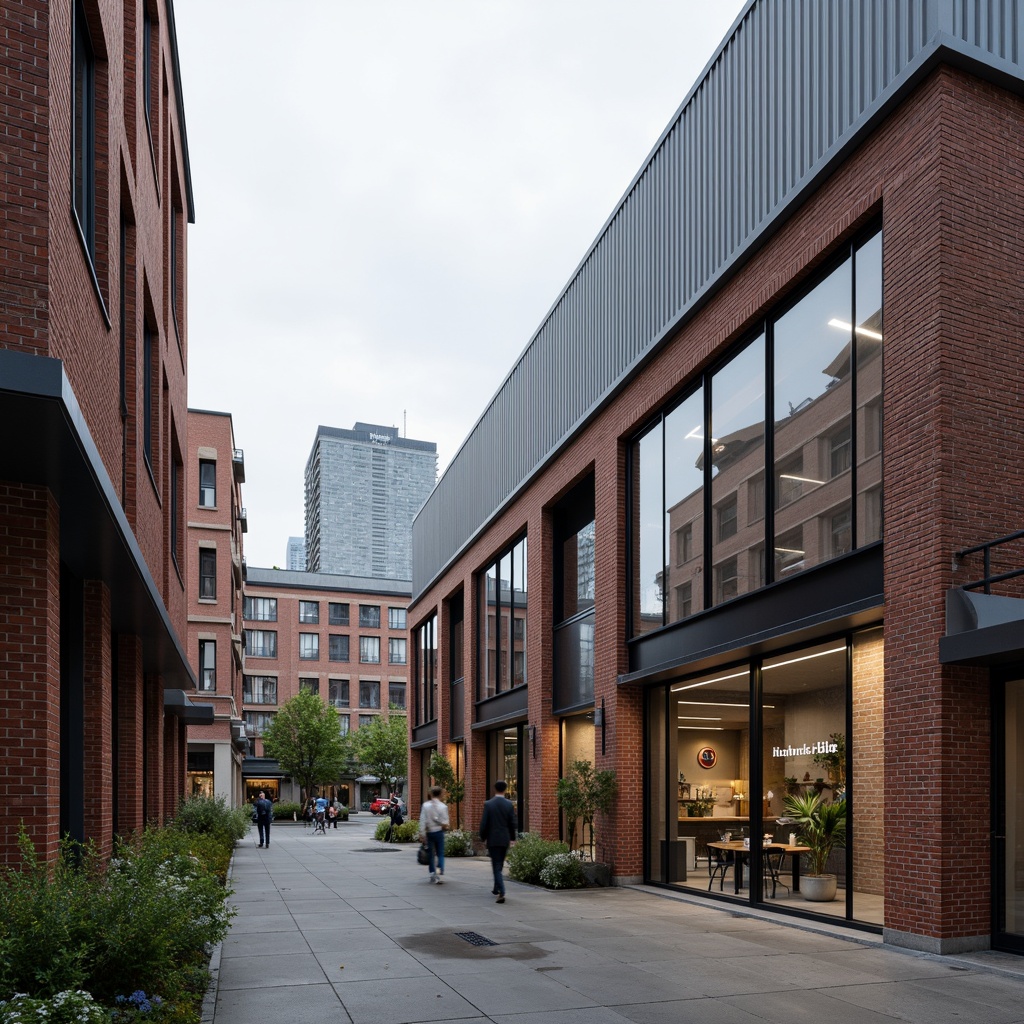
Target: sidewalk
[(341, 928)]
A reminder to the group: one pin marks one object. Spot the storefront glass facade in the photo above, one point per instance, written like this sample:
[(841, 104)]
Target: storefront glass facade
[(731, 752)]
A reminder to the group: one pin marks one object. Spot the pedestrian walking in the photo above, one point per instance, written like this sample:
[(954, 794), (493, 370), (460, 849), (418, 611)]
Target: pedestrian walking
[(264, 816), (498, 830), (433, 825), (394, 816)]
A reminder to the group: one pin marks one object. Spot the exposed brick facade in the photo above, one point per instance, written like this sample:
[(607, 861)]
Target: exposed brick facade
[(943, 173), (72, 302)]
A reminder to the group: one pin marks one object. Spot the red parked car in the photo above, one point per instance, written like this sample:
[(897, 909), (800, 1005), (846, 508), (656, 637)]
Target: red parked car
[(381, 805)]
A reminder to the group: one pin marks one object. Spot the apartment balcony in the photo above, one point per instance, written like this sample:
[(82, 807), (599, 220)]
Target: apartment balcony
[(238, 464), (243, 520)]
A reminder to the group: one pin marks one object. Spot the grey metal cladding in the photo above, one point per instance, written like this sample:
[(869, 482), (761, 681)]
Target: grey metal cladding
[(792, 86)]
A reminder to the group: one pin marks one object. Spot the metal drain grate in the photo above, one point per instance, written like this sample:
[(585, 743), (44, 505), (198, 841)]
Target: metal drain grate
[(476, 939)]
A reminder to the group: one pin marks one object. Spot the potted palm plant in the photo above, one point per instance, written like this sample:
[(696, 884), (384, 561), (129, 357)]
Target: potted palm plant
[(821, 827)]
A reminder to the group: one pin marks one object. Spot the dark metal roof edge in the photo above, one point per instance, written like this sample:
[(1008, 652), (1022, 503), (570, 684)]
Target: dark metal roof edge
[(855, 614), (942, 49), (270, 577)]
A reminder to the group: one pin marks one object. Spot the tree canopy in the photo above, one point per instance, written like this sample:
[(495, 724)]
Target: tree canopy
[(381, 747), (305, 739)]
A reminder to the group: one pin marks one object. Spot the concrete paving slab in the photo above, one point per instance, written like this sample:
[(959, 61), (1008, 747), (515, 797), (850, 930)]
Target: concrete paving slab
[(372, 941), (271, 972), (404, 1001)]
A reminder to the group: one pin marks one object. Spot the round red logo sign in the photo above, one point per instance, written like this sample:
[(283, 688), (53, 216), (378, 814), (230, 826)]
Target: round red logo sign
[(706, 757)]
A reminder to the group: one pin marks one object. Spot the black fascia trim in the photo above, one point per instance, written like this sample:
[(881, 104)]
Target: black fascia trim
[(55, 450), (795, 610), (999, 644), (510, 706), (424, 735)]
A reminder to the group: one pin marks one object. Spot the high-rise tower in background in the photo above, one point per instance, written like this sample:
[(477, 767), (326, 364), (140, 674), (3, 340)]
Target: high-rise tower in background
[(363, 487), (295, 558)]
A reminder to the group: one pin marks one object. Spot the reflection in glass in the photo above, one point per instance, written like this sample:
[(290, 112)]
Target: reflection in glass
[(868, 315), (737, 470), (804, 744), (684, 508), (813, 399), (650, 562)]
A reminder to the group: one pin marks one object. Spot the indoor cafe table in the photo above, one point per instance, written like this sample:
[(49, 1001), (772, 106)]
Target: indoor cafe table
[(740, 853)]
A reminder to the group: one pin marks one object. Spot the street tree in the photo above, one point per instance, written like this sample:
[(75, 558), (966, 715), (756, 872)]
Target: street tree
[(442, 771), (304, 738), (381, 747)]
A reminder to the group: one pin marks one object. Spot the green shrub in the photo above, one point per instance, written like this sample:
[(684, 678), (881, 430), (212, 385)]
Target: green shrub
[(143, 923), (458, 843), (287, 811), (205, 815), (563, 871), (407, 832), (526, 858)]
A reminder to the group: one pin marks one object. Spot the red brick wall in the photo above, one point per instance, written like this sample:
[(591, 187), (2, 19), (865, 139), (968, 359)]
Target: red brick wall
[(30, 681), (130, 759), (944, 173)]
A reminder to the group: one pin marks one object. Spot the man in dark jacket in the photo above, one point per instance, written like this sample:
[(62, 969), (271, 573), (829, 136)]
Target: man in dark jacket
[(264, 816), (498, 830)]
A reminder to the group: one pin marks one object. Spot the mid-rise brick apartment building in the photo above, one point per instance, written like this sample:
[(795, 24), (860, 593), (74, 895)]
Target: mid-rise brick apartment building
[(96, 195), (217, 522), (342, 637), (706, 533)]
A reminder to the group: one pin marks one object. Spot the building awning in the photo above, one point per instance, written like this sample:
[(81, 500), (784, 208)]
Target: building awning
[(176, 702), (368, 779), (261, 768), (982, 629), (54, 449)]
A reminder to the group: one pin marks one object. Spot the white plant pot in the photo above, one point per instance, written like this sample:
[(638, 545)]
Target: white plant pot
[(818, 888)]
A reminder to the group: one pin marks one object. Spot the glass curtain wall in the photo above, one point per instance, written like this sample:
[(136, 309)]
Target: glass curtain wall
[(709, 522), (505, 760), (719, 770)]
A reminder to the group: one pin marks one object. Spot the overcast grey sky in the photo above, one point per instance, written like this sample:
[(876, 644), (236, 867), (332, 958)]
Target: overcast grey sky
[(391, 194)]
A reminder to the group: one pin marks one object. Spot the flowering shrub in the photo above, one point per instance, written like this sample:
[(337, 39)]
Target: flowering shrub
[(72, 1006), (527, 856), (563, 871), (458, 843), (142, 923)]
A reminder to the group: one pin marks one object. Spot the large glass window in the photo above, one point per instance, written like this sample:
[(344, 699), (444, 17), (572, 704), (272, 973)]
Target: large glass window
[(260, 609), (369, 616), (737, 464), (259, 689), (699, 480), (309, 612), (208, 574), (425, 639), (396, 695), (84, 131), (337, 693), (261, 643), (813, 404), (396, 650), (309, 646), (207, 483), (207, 664), (369, 650), (337, 648), (369, 693), (575, 588), (503, 603), (396, 618), (309, 685), (337, 613)]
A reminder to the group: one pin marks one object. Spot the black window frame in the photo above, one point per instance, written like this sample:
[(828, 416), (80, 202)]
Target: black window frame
[(207, 578), (207, 466)]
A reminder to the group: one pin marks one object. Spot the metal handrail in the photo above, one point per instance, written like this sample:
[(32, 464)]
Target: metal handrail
[(988, 579)]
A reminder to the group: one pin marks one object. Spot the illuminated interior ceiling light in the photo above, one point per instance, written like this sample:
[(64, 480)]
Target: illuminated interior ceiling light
[(802, 479), (790, 551), (714, 704), (697, 718), (864, 332), (703, 728), (805, 657), (708, 682)]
